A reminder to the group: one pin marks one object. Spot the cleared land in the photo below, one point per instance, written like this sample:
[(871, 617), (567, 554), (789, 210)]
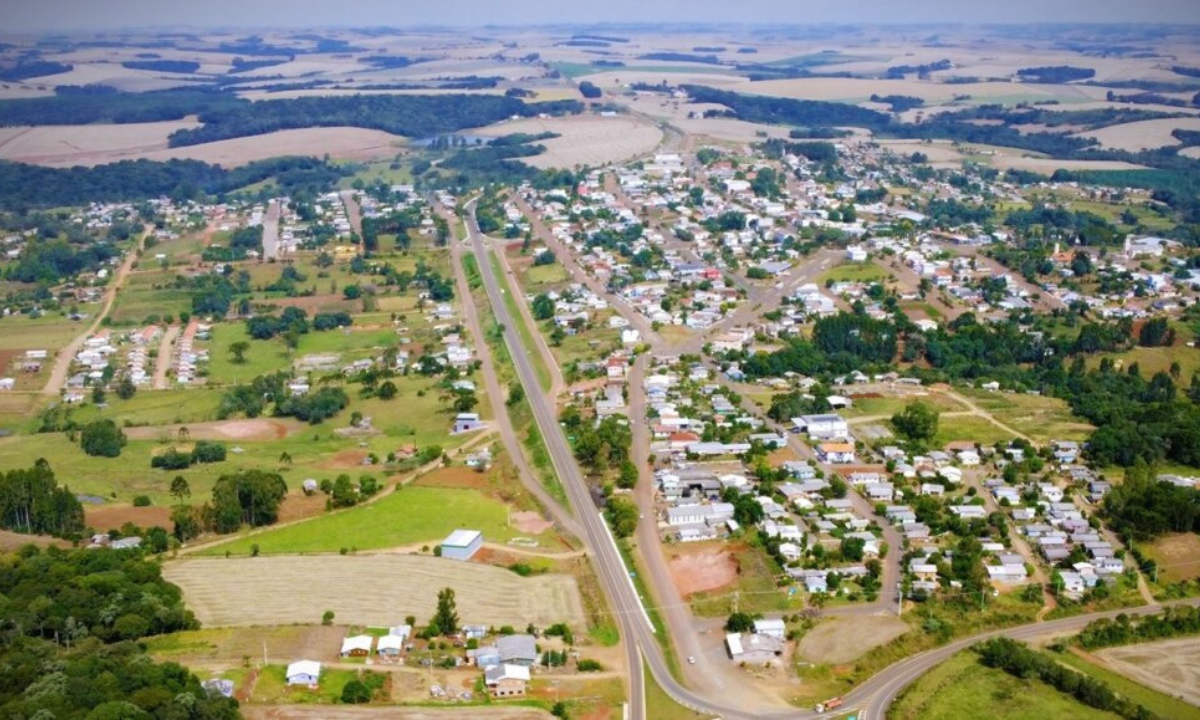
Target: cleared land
[(1143, 135), (963, 688), (702, 567), (1041, 417), (585, 141), (1178, 556), (841, 641), (1170, 666), (67, 145), (373, 590)]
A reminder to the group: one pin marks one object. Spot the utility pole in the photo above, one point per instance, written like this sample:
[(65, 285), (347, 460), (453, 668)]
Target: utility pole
[(264, 653), (735, 601), (899, 600)]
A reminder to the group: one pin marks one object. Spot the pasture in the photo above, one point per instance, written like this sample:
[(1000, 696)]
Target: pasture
[(1041, 417), (407, 516), (367, 590), (1177, 556)]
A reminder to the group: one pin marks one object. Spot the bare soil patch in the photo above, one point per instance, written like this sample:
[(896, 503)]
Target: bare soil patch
[(701, 567), (345, 460), (1171, 666), (297, 506), (1178, 556), (460, 477), (844, 640), (67, 145), (352, 712), (112, 517), (257, 429), (366, 590), (530, 522)]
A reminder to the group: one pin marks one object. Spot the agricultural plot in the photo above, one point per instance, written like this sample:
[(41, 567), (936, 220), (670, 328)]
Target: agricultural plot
[(587, 141), (49, 332), (1165, 702), (374, 590), (406, 517), (1177, 555)]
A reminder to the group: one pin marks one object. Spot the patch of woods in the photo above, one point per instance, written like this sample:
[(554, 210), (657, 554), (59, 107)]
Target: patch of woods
[(1055, 74), (69, 646), (24, 186), (26, 69), (186, 67), (31, 502), (1177, 621), (253, 399), (1143, 508), (1020, 661)]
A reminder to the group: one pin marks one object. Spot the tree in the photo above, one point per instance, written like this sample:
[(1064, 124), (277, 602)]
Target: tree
[(187, 525), (356, 692), (446, 617), (629, 475), (125, 387), (102, 438), (917, 422), (343, 493), (238, 351), (623, 516), (386, 391), (739, 622), (180, 489), (543, 307)]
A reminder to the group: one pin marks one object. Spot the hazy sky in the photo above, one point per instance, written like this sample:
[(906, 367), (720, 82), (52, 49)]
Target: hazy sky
[(107, 14)]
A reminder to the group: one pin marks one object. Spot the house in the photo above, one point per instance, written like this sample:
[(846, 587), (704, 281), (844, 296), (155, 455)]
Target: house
[(462, 544), (485, 656), (389, 645), (506, 680), (517, 649), (772, 627), (303, 672), (753, 648), (836, 453), (822, 427), (357, 646), (126, 543), (466, 422)]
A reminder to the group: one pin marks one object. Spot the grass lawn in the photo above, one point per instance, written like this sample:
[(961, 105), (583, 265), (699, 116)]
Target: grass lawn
[(538, 275), (139, 298), (48, 332), (867, 407), (272, 687), (263, 357), (659, 704), (1177, 556), (1156, 360), (407, 516), (968, 427), (1161, 705), (854, 272), (1041, 417), (527, 340), (911, 306), (158, 407), (963, 688)]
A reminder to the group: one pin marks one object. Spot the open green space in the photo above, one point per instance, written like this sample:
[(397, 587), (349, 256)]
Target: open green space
[(48, 332), (527, 340), (262, 358), (755, 589), (1161, 705), (660, 705), (147, 292), (854, 272), (874, 406), (961, 687), (1158, 359), (271, 687), (1041, 417), (537, 276), (409, 515), (972, 428)]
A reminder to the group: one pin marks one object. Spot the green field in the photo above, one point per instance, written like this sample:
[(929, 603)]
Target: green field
[(970, 428), (263, 358), (854, 272), (660, 705), (407, 516), (535, 277), (272, 687), (48, 332), (139, 299), (1041, 417), (868, 407), (963, 688), (528, 342)]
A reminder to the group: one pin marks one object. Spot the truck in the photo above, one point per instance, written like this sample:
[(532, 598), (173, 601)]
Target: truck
[(831, 704)]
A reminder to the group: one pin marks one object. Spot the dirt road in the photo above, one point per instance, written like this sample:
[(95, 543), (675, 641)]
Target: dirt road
[(270, 237), (165, 353), (62, 363)]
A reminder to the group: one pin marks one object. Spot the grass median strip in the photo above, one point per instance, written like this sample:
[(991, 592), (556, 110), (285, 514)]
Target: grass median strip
[(527, 339)]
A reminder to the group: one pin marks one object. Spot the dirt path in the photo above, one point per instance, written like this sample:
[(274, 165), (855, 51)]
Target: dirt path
[(354, 215), (270, 236), (62, 363), (165, 353)]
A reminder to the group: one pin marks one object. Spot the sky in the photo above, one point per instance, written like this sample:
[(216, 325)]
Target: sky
[(66, 15)]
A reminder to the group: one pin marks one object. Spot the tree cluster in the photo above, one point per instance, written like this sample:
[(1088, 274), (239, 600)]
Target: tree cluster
[(32, 502)]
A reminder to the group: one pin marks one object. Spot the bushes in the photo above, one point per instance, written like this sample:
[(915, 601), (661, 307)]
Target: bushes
[(102, 439), (1124, 630), (205, 451)]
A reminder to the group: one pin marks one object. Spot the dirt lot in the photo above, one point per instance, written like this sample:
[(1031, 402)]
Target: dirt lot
[(700, 567), (585, 141), (1170, 666), (841, 641), (258, 429), (530, 522), (350, 712), (367, 590), (460, 477), (111, 517)]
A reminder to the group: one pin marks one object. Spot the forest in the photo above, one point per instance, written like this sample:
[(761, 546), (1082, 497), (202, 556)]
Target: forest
[(32, 186), (409, 115), (32, 502), (69, 649), (84, 105)]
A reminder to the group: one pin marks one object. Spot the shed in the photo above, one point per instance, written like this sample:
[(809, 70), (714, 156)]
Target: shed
[(462, 544), (303, 672), (390, 645)]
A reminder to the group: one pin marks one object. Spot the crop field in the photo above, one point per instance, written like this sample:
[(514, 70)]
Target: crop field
[(963, 688), (588, 141), (367, 590), (1142, 135), (1041, 417), (49, 332), (407, 516), (70, 145), (139, 299)]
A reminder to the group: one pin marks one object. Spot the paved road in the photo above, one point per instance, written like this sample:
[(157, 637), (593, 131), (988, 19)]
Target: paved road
[(62, 362)]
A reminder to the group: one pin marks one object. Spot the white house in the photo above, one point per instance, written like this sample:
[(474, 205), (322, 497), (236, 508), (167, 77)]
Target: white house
[(303, 672), (822, 427), (357, 646), (836, 453), (772, 627)]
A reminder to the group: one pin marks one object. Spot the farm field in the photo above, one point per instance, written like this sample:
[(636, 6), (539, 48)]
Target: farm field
[(971, 428), (1144, 135), (1155, 675), (407, 516), (588, 141), (1041, 417), (961, 687), (277, 591), (70, 145), (890, 405), (1177, 556)]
